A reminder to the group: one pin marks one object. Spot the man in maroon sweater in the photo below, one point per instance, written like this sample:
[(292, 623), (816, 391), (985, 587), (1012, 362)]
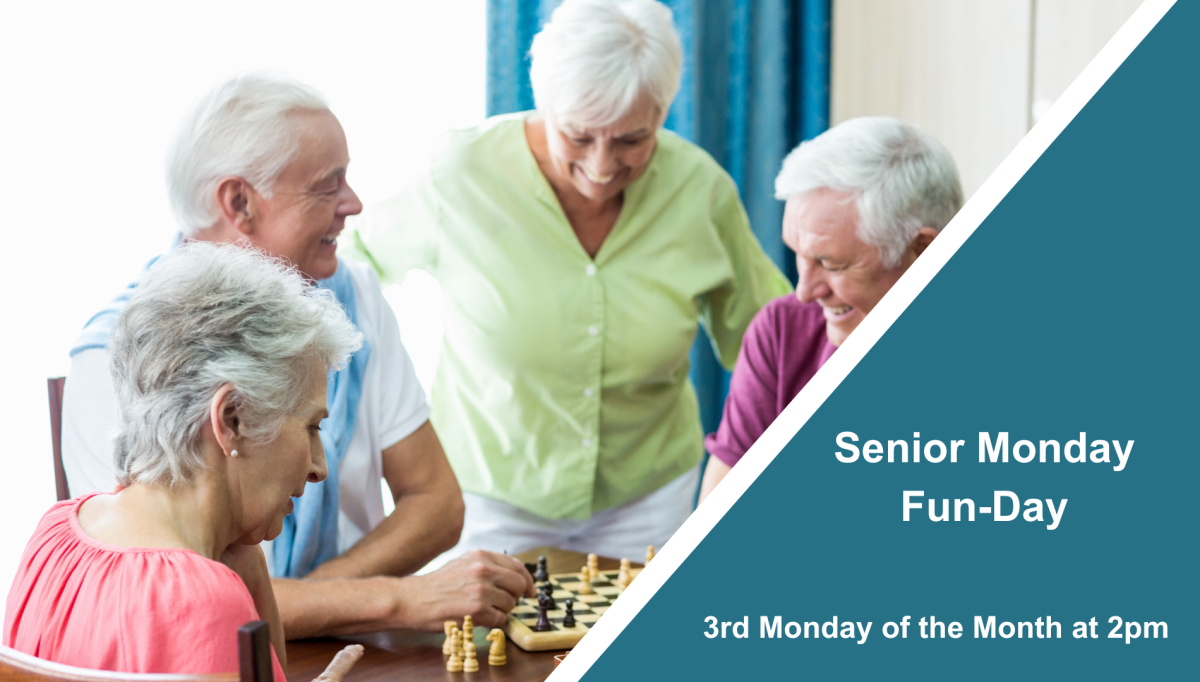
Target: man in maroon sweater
[(864, 200)]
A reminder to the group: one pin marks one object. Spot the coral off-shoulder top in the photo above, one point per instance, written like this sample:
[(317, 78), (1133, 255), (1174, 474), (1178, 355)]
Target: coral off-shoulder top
[(81, 602)]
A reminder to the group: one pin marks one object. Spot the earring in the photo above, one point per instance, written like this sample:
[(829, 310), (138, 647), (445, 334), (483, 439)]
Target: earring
[(233, 453)]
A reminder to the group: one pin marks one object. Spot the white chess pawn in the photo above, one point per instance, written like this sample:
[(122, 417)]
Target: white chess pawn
[(455, 663), (649, 554), (624, 577), (470, 663), (585, 581)]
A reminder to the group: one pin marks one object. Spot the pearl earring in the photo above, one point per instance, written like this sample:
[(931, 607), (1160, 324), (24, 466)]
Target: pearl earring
[(233, 453)]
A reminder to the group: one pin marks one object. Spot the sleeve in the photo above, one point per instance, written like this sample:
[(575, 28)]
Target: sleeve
[(403, 407), (399, 234), (750, 405), (88, 421), (726, 312)]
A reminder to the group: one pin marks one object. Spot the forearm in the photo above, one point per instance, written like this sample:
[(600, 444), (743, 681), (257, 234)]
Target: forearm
[(422, 527), (268, 610), (714, 473), (316, 608)]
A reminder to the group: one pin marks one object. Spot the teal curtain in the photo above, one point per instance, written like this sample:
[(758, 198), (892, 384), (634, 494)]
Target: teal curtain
[(755, 84)]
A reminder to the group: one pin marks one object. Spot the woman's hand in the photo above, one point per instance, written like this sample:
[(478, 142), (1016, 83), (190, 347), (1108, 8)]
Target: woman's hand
[(341, 664), (249, 562)]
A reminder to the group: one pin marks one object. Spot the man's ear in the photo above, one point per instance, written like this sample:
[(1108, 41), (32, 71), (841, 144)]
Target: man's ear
[(924, 238), (225, 420), (237, 203)]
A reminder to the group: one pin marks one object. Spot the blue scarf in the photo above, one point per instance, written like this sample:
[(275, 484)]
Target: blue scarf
[(310, 532)]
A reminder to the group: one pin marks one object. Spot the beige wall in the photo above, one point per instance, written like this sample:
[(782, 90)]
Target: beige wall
[(974, 73)]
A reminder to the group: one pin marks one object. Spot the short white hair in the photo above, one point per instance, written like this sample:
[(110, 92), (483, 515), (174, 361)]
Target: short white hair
[(207, 315), (902, 179), (244, 128), (594, 58)]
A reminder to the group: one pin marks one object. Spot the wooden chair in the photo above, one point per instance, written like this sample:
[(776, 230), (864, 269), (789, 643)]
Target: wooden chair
[(253, 652), (55, 387)]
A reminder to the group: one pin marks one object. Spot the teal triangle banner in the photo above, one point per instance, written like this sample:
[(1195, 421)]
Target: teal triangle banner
[(1059, 339)]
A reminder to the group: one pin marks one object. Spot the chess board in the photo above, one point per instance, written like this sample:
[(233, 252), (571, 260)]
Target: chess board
[(588, 609)]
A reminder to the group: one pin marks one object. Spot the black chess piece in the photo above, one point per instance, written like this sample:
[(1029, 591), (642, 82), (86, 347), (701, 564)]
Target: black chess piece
[(543, 621), (532, 568), (569, 619), (541, 575), (548, 590)]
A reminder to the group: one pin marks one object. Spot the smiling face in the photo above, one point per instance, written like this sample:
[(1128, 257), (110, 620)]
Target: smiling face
[(836, 268), (269, 474), (307, 209), (599, 163)]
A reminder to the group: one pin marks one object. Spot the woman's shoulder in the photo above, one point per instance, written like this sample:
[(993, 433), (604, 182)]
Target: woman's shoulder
[(688, 160), (501, 135)]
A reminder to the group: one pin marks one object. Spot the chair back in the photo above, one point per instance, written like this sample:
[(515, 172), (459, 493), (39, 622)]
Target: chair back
[(253, 650), (55, 387)]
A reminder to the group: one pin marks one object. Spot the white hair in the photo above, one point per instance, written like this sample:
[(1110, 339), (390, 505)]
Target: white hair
[(204, 316), (596, 57), (902, 179), (244, 128)]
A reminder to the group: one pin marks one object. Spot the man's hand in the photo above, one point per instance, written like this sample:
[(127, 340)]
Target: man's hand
[(484, 585)]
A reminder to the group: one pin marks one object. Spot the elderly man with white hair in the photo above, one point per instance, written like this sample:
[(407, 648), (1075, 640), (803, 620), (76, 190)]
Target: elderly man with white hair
[(261, 162), (579, 247), (864, 200)]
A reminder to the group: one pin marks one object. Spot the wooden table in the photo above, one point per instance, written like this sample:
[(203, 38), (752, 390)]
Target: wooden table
[(417, 656)]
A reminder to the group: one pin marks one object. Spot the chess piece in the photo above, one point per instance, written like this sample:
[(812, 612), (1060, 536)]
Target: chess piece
[(649, 554), (496, 650), (569, 619), (585, 581), (470, 663), (543, 621), (594, 565), (532, 568), (448, 626), (455, 663), (623, 576), (548, 590), (541, 575), (468, 629)]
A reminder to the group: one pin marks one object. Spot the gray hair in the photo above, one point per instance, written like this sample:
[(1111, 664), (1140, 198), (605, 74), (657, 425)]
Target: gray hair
[(241, 128), (207, 315), (902, 179), (595, 57)]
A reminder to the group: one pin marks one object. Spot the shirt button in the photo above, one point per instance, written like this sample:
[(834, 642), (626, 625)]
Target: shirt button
[(591, 269), (593, 330), (587, 442), (588, 392)]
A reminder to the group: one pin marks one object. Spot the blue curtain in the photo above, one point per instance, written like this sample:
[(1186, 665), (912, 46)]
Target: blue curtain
[(755, 84)]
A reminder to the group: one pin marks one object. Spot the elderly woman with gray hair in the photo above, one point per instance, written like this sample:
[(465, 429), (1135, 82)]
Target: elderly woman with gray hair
[(864, 200), (219, 362), (579, 246)]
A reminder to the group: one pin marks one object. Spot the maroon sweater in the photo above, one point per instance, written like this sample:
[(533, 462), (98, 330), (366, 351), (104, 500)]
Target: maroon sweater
[(783, 348)]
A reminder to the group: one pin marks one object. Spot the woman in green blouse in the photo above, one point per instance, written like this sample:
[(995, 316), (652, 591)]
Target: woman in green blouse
[(578, 247)]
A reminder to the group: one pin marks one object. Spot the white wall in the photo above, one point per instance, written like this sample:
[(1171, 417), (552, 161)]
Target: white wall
[(90, 94), (974, 73)]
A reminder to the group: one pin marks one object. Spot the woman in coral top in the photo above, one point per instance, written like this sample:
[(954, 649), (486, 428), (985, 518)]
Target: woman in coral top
[(219, 363)]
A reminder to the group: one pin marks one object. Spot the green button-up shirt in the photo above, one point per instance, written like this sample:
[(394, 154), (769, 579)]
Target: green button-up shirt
[(562, 386)]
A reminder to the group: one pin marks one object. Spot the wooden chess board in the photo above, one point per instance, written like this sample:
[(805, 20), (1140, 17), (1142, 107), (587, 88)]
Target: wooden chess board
[(588, 609)]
